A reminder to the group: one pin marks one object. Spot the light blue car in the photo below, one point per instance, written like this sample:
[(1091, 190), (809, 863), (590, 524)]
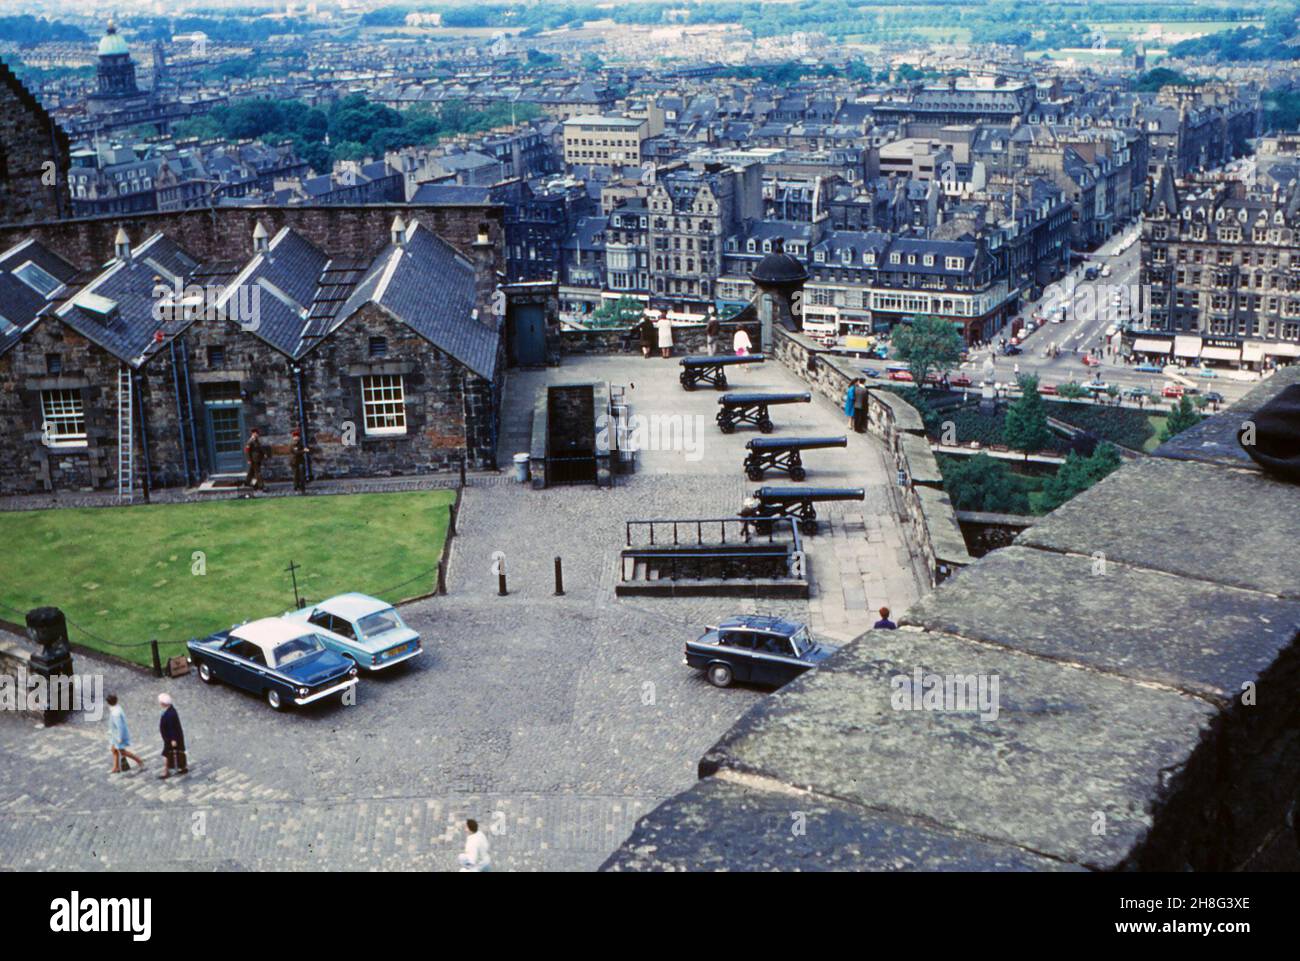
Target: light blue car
[(362, 628)]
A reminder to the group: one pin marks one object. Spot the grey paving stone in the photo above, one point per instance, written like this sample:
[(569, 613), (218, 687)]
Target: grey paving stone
[(1214, 440), (1070, 767), (721, 826), (1199, 520), (1197, 636)]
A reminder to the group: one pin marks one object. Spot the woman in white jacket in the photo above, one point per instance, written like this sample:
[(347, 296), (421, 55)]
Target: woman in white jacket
[(665, 327), (740, 343)]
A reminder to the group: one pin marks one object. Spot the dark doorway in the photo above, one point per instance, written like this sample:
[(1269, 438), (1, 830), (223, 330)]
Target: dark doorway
[(526, 334)]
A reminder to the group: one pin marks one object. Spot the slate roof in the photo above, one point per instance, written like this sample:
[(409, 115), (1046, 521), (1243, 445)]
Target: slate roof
[(288, 273), (432, 289), (128, 330), (453, 194), (20, 302)]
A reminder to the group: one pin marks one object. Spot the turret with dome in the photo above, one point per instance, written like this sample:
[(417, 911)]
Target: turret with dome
[(116, 70)]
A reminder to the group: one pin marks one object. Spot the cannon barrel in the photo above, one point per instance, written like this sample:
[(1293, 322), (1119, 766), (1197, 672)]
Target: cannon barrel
[(771, 494), (720, 360), (795, 443), (744, 400)]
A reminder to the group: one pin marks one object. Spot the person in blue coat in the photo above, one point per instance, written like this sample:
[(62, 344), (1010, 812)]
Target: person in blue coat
[(848, 401), (119, 738), (169, 726)]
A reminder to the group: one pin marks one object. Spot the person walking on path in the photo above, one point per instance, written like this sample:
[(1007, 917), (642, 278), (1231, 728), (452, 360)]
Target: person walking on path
[(647, 331), (711, 330), (848, 401), (298, 460), (256, 454), (860, 406), (119, 738), (476, 857), (173, 738), (740, 343), (665, 335)]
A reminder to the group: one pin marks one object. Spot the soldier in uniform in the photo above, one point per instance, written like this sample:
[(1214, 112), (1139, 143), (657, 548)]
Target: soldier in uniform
[(255, 453), (298, 460)]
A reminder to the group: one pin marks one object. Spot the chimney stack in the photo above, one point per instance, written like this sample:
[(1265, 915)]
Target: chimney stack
[(122, 245), (261, 242), (398, 231)]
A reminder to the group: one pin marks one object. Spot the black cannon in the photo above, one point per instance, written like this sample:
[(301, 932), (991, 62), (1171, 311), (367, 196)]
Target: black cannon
[(752, 409), (795, 502), (782, 453), (709, 368)]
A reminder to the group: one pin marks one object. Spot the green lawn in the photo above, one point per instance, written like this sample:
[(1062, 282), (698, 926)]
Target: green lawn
[(129, 574)]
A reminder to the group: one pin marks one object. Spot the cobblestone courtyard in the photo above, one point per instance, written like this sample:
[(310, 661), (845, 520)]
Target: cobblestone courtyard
[(556, 721)]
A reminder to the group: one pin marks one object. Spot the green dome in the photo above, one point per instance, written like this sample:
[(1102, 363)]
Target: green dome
[(111, 44)]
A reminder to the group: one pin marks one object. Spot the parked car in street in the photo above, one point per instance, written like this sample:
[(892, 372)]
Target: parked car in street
[(1214, 397), (1105, 270), (1090, 273), (755, 649), (281, 661), (1047, 388), (1133, 393), (1150, 368), (903, 375), (362, 628), (959, 380), (1012, 349), (1172, 390)]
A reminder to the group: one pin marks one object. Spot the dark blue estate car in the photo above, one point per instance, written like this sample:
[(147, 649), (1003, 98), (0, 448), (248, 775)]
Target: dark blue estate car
[(759, 650), (285, 663)]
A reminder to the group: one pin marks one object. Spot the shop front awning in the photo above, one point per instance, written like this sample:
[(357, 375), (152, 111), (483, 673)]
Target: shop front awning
[(1145, 345), (1283, 350), (1252, 351), (1232, 354), (1187, 347)]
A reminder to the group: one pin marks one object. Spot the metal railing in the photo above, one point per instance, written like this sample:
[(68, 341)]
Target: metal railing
[(745, 530)]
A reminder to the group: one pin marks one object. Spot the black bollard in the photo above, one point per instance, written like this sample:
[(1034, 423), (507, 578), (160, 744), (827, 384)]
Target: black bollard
[(451, 521), (157, 661), (442, 577), (559, 578), (47, 628), (462, 472)]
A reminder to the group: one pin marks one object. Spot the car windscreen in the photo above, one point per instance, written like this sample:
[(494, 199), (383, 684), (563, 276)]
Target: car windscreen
[(381, 622), (294, 650), (801, 641)]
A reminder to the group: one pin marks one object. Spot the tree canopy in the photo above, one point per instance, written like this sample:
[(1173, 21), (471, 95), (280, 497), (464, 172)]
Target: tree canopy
[(928, 344)]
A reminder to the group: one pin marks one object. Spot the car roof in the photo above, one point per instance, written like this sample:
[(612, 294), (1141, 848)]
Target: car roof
[(759, 622), (268, 633), (352, 606)]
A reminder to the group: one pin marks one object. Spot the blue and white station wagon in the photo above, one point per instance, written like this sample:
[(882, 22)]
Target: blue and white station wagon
[(282, 662), (362, 628)]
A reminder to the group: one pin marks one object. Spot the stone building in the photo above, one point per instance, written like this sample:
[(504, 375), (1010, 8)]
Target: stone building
[(1222, 261), (151, 370), (33, 156)]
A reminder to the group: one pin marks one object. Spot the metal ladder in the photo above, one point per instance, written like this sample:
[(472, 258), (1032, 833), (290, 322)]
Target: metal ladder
[(125, 440)]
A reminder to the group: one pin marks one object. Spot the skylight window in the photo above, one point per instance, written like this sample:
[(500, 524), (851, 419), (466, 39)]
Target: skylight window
[(37, 278)]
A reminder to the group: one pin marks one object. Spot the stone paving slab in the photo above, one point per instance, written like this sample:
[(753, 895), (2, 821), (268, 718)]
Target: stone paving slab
[(1181, 502), (1065, 769), (1207, 639), (788, 831)]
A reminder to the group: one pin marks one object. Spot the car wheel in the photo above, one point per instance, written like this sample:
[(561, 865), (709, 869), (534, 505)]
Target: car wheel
[(205, 673), (720, 675), (275, 699)]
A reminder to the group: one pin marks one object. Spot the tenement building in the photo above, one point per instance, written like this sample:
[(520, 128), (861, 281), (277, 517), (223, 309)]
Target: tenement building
[(1222, 261), (152, 370)]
